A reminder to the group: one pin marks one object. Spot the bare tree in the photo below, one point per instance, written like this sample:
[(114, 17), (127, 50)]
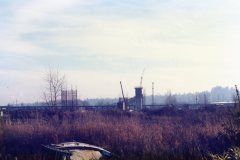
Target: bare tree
[(203, 98), (54, 84), (206, 98)]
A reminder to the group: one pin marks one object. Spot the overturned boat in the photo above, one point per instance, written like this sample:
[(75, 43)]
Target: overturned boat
[(77, 151)]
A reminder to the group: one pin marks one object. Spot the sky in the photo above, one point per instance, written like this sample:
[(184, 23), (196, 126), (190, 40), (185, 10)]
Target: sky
[(183, 46)]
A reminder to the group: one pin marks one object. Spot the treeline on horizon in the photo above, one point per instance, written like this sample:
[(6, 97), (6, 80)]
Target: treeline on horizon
[(216, 94)]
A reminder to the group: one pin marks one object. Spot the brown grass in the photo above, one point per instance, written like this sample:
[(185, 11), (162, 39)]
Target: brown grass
[(164, 134)]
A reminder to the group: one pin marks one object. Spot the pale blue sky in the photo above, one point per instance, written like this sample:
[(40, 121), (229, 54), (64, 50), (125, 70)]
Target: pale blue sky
[(184, 45)]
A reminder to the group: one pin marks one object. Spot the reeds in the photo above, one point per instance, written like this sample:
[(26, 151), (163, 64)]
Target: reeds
[(186, 134)]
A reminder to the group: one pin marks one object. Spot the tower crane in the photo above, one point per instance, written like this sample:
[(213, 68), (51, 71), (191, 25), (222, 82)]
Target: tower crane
[(142, 77)]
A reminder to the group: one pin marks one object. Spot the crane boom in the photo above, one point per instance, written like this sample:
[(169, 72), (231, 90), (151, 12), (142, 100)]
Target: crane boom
[(142, 77), (124, 102)]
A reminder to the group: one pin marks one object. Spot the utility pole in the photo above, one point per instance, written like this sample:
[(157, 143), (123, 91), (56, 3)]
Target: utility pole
[(76, 96), (152, 93), (238, 98), (72, 95)]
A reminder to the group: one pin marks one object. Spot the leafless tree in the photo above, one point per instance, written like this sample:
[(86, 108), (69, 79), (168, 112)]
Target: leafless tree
[(235, 100), (206, 98), (54, 84), (203, 98)]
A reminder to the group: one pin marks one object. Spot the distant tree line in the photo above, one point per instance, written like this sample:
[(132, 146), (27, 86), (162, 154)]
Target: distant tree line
[(217, 94)]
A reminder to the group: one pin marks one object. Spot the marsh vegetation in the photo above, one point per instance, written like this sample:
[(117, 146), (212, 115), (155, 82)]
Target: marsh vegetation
[(163, 134)]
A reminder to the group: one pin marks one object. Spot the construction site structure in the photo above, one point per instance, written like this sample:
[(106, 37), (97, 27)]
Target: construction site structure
[(139, 98), (69, 98)]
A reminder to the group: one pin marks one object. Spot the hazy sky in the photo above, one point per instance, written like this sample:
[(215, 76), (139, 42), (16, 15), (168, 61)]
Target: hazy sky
[(184, 45)]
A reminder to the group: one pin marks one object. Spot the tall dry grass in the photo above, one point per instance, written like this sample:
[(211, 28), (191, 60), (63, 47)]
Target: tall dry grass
[(164, 134)]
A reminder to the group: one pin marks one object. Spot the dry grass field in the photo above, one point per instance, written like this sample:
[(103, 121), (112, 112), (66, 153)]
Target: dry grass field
[(166, 134)]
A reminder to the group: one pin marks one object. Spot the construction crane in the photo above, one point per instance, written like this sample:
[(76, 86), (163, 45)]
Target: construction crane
[(142, 77), (124, 101)]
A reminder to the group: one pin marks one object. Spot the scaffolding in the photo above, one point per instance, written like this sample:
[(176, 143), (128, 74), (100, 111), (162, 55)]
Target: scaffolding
[(69, 98)]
